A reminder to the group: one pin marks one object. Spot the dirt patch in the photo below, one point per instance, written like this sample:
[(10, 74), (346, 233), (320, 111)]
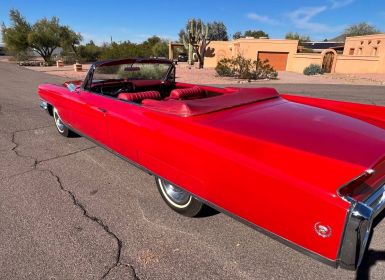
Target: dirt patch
[(66, 71)]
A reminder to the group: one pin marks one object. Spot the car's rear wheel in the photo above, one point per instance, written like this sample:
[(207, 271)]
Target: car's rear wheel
[(61, 127), (179, 200)]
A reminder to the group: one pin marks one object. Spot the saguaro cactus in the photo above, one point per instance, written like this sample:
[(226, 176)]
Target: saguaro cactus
[(196, 40)]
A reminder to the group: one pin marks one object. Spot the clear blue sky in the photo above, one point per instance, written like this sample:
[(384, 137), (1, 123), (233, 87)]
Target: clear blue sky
[(137, 20)]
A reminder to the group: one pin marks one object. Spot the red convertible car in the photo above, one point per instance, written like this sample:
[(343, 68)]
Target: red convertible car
[(308, 172)]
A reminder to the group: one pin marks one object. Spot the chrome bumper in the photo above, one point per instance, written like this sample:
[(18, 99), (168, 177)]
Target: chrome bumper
[(358, 228)]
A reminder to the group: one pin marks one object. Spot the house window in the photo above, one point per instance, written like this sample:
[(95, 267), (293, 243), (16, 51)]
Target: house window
[(362, 42), (370, 41), (375, 51), (351, 51), (378, 42)]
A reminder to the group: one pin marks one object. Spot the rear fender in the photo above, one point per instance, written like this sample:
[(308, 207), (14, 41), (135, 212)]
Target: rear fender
[(368, 113)]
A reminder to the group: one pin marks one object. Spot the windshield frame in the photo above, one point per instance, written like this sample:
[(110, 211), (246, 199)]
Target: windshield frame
[(169, 76)]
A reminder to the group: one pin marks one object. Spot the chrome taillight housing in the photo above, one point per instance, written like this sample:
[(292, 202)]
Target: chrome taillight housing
[(358, 228)]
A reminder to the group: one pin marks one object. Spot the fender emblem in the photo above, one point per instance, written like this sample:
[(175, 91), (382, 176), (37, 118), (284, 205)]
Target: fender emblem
[(323, 230)]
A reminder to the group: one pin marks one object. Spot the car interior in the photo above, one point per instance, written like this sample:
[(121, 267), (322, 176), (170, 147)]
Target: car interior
[(178, 98)]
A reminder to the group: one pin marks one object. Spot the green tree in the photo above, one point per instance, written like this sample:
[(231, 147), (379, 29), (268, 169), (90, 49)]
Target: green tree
[(360, 29), (155, 46), (237, 35), (70, 40), (45, 37), (160, 49), (89, 52), (250, 33), (256, 34), (151, 41), (15, 36), (217, 31), (124, 49), (296, 36)]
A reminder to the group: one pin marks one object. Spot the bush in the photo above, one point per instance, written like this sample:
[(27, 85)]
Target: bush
[(242, 68), (224, 68), (89, 52), (146, 72), (313, 69)]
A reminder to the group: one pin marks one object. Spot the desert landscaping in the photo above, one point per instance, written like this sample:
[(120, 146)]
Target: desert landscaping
[(192, 74)]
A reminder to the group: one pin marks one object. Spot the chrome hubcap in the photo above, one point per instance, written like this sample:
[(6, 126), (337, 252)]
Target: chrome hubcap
[(59, 124), (175, 195)]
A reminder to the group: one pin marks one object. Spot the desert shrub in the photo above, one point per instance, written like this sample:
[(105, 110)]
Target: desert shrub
[(224, 68), (263, 70), (313, 69), (21, 55), (243, 68), (122, 50), (145, 72), (89, 52)]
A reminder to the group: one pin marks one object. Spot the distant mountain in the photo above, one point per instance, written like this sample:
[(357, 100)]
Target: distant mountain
[(339, 38)]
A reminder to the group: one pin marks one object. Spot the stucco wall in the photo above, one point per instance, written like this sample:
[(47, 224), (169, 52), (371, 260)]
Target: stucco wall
[(300, 61), (344, 64), (357, 64), (248, 48), (365, 45), (216, 51)]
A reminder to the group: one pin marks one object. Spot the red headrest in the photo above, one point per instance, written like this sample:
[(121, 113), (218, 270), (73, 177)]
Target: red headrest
[(139, 96), (187, 93)]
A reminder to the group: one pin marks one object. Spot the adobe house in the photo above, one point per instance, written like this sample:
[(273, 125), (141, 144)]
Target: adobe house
[(278, 52), (361, 54)]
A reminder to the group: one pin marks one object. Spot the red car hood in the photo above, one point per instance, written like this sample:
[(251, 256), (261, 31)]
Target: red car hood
[(321, 147)]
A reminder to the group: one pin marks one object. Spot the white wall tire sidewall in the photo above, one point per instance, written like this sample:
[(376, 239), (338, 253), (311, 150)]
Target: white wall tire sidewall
[(56, 113), (169, 200)]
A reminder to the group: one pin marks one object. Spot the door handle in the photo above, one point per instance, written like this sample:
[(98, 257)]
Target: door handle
[(102, 110)]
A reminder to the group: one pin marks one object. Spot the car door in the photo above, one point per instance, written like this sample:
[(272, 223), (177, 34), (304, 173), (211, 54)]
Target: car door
[(89, 114), (125, 123)]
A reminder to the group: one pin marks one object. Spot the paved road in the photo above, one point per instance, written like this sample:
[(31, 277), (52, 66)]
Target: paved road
[(70, 210)]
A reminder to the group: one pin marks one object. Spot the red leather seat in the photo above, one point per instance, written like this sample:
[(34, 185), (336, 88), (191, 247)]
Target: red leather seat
[(186, 108), (187, 93), (139, 96)]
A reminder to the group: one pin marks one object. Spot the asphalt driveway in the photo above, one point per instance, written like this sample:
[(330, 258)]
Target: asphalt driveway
[(71, 210)]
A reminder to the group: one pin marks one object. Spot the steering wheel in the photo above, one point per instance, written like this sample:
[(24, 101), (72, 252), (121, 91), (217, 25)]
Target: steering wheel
[(127, 88)]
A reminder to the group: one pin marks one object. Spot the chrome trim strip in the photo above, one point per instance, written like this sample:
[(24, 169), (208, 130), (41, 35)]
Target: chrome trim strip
[(365, 173), (377, 201)]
